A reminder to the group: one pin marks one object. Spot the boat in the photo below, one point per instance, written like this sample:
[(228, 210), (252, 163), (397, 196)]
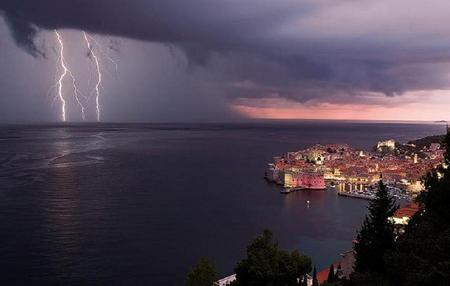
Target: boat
[(286, 191), (357, 195)]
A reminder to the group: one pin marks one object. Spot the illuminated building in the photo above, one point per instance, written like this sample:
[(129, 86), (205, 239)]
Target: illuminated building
[(388, 144), (402, 216), (308, 181)]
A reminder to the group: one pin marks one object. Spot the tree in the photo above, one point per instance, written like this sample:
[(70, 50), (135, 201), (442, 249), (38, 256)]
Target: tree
[(376, 236), (315, 282), (331, 277), (266, 264), (422, 254), (202, 274)]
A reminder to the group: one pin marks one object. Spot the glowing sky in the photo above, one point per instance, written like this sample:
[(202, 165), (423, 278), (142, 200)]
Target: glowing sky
[(430, 105), (233, 60)]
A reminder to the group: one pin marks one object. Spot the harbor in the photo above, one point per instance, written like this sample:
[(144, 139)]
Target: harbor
[(367, 192)]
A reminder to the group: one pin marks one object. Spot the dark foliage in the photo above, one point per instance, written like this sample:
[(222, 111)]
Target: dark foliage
[(202, 274), (331, 277), (266, 264), (422, 254), (314, 278), (376, 236)]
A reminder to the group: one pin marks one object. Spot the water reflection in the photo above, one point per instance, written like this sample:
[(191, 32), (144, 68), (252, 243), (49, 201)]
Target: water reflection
[(299, 198), (61, 204)]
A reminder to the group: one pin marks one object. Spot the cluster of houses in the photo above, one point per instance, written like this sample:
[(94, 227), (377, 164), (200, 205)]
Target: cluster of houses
[(401, 165)]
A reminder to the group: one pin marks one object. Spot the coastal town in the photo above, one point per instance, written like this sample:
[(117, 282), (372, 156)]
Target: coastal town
[(355, 173)]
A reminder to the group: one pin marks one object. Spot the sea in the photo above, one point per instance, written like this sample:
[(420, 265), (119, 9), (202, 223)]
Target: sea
[(139, 204)]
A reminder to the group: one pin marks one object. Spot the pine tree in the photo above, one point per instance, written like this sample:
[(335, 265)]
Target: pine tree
[(331, 277), (315, 282), (376, 236)]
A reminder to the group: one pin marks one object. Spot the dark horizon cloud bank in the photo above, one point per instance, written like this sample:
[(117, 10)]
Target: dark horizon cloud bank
[(247, 51)]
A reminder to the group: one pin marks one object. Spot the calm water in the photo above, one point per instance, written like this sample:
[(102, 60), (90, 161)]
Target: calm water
[(138, 204)]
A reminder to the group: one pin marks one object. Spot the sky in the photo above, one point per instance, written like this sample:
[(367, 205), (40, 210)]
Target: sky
[(225, 60)]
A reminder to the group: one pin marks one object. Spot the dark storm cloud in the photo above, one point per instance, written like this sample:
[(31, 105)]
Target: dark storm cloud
[(299, 50), (199, 24)]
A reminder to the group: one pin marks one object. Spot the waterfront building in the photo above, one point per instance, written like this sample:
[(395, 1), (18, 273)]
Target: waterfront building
[(290, 181), (304, 180), (271, 173)]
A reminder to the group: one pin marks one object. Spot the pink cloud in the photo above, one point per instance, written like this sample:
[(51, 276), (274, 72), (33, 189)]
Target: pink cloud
[(426, 106)]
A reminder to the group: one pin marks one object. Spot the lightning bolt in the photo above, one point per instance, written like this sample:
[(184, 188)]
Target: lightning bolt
[(99, 74), (62, 76), (63, 71), (76, 95), (101, 48), (66, 72)]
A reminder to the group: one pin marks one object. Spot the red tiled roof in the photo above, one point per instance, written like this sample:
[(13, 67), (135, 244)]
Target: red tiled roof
[(407, 211)]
